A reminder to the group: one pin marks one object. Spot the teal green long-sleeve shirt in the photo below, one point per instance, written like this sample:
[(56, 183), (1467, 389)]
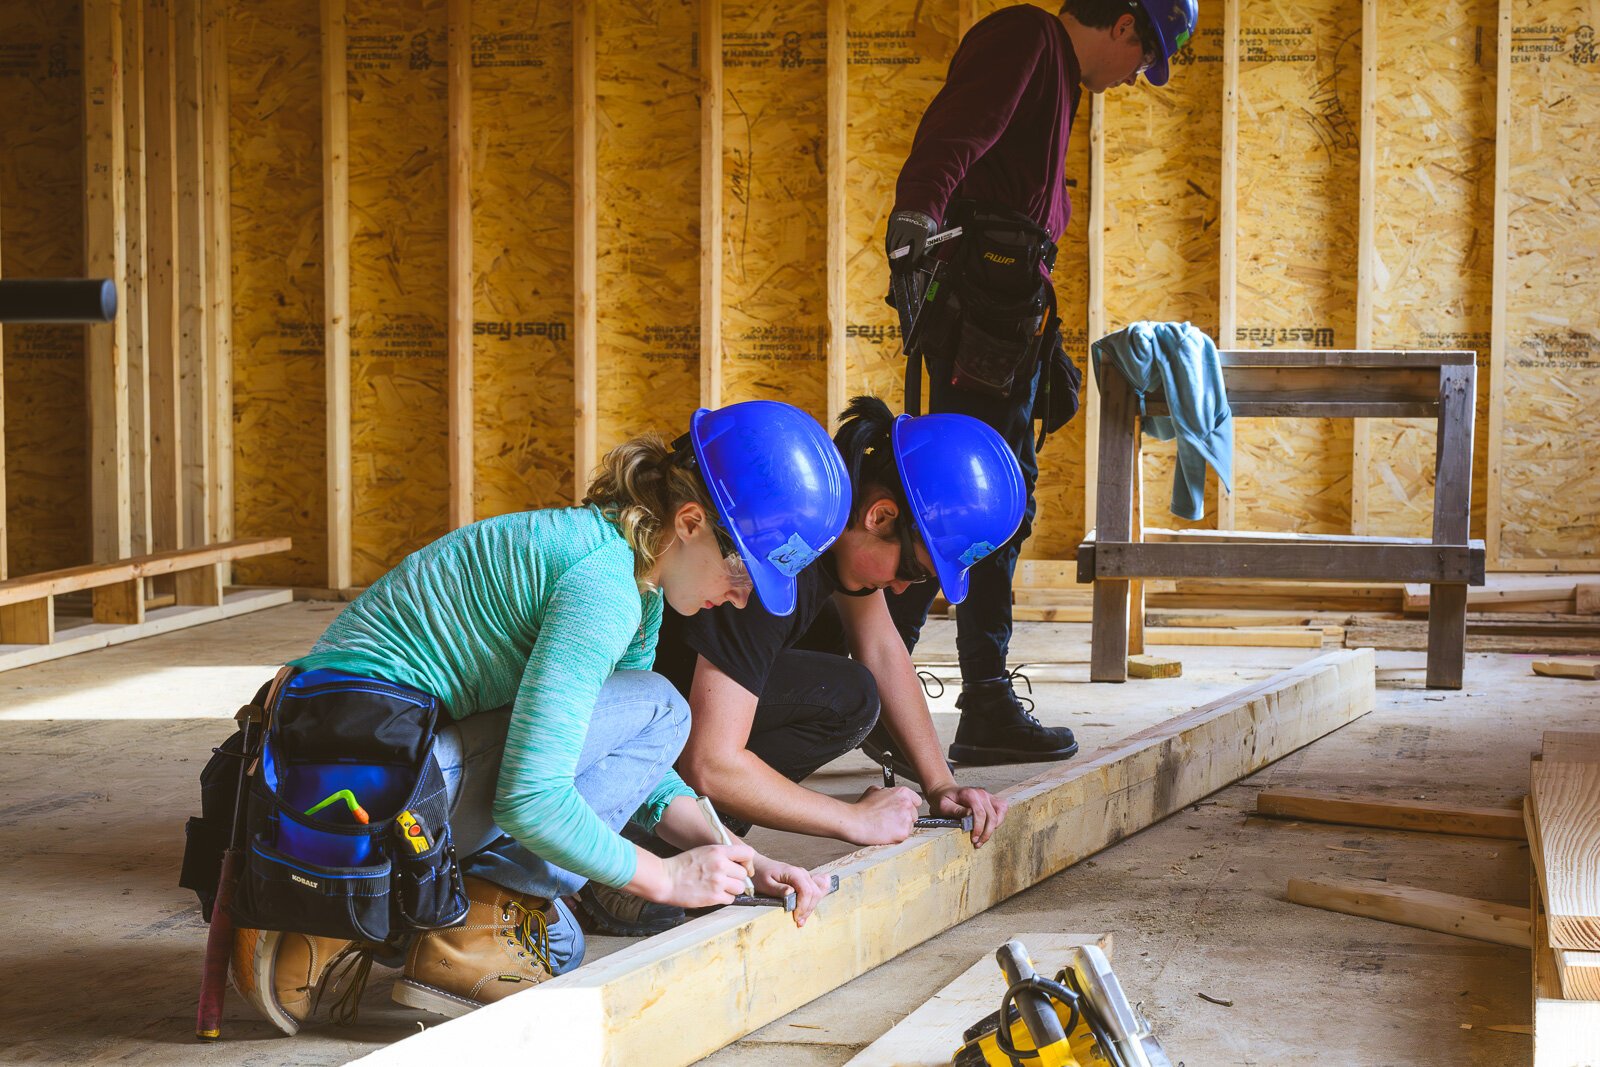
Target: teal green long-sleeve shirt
[(536, 610)]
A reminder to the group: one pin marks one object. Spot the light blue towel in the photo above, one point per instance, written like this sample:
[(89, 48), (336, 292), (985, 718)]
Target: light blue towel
[(1181, 363)]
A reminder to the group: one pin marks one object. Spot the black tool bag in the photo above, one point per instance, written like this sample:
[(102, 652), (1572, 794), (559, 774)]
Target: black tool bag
[(1056, 401), (993, 315), (347, 824)]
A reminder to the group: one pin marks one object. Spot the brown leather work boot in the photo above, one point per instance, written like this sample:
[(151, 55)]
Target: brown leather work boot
[(500, 948), (280, 974)]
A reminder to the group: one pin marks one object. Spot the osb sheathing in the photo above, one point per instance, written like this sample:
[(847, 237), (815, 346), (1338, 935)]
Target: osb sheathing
[(522, 255), (775, 206), (1550, 503), (398, 283), (1163, 174), (898, 54), (275, 145), (41, 183), (648, 144), (1298, 201), (1433, 233)]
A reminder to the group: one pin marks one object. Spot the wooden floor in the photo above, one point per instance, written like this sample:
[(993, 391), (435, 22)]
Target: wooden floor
[(100, 953)]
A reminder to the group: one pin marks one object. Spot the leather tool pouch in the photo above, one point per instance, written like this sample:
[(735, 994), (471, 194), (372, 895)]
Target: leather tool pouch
[(330, 871), (1056, 401), (994, 319)]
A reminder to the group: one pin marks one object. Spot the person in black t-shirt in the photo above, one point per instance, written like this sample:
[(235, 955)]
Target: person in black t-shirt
[(773, 698)]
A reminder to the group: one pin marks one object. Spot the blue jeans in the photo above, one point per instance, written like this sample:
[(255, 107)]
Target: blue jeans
[(639, 726)]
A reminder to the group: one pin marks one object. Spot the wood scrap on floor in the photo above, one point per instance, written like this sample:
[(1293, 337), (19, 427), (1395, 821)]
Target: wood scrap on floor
[(1386, 813), (676, 997), (1425, 909), (1504, 592), (928, 1036), (1522, 632), (1586, 669), (1145, 665)]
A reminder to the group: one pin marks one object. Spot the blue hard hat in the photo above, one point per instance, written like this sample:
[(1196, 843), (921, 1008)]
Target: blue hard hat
[(780, 487), (1174, 22), (965, 489)]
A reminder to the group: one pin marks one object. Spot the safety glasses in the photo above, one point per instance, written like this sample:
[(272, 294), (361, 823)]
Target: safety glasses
[(910, 568)]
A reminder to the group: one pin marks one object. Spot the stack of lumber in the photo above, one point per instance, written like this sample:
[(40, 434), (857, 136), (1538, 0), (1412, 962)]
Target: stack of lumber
[(1563, 824)]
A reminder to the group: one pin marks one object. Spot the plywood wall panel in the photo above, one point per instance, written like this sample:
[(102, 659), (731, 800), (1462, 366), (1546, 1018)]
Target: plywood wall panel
[(398, 222), (1433, 233), (1299, 102), (1550, 504), (1163, 172), (276, 210), (41, 184), (899, 51), (522, 255), (774, 329), (648, 273)]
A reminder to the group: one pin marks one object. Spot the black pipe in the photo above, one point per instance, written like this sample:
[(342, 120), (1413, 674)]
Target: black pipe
[(72, 300)]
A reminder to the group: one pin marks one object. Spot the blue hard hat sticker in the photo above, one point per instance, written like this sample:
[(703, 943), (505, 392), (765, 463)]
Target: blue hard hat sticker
[(976, 552), (793, 556)]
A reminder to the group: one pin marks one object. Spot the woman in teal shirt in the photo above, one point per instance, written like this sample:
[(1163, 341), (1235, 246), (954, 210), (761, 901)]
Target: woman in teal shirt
[(535, 632)]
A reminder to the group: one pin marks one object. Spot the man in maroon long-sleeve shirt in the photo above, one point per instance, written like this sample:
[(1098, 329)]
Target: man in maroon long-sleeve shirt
[(992, 145)]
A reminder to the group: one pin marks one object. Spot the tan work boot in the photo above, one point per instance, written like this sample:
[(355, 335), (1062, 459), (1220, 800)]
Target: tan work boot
[(501, 947), (280, 973)]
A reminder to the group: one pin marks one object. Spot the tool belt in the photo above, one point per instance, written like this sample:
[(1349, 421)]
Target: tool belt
[(991, 318), (347, 817)]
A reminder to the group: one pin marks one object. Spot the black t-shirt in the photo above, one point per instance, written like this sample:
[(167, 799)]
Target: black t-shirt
[(743, 643)]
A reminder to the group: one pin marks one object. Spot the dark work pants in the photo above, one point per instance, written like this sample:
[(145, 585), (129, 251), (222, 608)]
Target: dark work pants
[(983, 620), (817, 705)]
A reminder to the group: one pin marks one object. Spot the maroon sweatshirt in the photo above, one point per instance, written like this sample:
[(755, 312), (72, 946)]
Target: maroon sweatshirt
[(998, 129)]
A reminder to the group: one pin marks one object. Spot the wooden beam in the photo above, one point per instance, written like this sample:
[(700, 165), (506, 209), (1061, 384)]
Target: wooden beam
[(133, 298), (160, 621), (167, 489), (219, 277), (92, 575), (674, 998), (105, 256), (1570, 746), (1425, 909), (1097, 305), (122, 603), (28, 622), (336, 288), (1385, 813), (1499, 590), (194, 341), (1235, 638), (1310, 562), (711, 223), (1499, 279), (1566, 806), (1586, 598), (1565, 1032), (1577, 970), (1228, 214), (458, 341), (585, 253), (928, 1036), (1366, 255), (200, 585), (838, 134)]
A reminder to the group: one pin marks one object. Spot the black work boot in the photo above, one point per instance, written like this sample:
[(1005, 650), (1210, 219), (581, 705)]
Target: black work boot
[(996, 728)]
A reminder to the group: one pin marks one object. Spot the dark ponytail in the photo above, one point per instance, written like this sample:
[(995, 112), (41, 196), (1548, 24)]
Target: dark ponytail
[(864, 440)]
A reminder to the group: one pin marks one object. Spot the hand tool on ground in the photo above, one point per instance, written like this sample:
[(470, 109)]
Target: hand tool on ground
[(722, 835), (926, 822), (1081, 1019), (787, 901), (219, 939)]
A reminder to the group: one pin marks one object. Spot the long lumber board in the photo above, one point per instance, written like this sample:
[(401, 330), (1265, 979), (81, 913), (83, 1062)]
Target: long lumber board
[(1425, 909), (1566, 806), (1578, 971), (1386, 813), (1566, 1033), (679, 996), (928, 1036)]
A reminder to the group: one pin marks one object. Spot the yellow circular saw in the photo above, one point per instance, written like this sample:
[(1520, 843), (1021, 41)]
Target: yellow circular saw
[(1081, 1018)]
